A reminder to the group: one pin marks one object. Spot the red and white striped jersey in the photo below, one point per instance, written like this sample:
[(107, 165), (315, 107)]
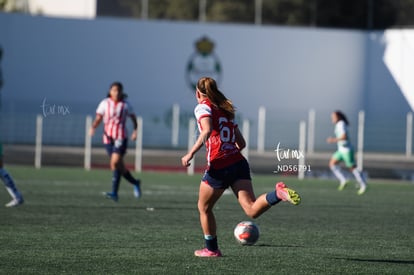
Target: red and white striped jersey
[(115, 115), (221, 145)]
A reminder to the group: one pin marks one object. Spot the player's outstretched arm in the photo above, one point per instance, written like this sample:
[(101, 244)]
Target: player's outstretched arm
[(95, 124), (206, 126), (135, 124)]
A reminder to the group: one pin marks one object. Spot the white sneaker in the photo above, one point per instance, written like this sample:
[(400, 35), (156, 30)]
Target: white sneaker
[(342, 185), (362, 190), (14, 203)]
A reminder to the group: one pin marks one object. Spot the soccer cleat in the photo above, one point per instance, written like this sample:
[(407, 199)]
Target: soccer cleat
[(207, 253), (137, 189), (15, 202), (110, 195), (362, 190), (286, 194), (342, 185)]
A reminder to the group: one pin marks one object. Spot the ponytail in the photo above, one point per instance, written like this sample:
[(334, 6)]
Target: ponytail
[(208, 87)]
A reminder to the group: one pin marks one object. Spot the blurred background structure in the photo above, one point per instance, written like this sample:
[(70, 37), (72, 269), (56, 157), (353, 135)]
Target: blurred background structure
[(281, 62), (349, 14)]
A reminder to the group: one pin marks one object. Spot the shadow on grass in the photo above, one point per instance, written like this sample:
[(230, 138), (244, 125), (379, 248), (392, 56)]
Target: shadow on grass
[(378, 260), (279, 246)]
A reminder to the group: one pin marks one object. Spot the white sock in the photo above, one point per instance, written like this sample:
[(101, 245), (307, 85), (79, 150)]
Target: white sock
[(359, 178), (337, 172), (9, 184), (12, 193)]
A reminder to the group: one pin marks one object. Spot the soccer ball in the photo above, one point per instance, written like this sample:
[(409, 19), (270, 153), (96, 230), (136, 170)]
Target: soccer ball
[(246, 233)]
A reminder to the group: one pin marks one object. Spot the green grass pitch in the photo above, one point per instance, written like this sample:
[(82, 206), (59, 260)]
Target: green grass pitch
[(67, 227)]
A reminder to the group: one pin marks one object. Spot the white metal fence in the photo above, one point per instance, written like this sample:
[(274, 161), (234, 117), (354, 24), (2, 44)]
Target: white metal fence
[(306, 135)]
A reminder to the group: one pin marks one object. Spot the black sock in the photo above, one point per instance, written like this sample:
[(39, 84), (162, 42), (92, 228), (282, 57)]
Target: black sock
[(116, 178), (127, 175), (211, 242), (272, 198)]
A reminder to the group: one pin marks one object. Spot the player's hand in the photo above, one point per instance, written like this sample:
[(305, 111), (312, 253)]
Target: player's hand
[(185, 160), (91, 131), (331, 140), (134, 135)]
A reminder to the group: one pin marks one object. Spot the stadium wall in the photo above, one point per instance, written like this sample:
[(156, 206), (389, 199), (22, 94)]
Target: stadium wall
[(70, 63)]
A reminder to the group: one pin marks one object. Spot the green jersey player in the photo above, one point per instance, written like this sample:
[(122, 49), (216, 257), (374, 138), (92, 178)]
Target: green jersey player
[(344, 153)]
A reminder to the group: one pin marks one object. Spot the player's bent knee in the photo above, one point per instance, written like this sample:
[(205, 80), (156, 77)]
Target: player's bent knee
[(251, 213)]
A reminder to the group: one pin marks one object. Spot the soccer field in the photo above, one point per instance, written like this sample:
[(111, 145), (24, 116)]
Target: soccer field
[(66, 226)]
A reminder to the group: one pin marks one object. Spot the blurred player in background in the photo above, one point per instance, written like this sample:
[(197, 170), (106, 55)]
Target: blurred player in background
[(114, 111), (226, 167), (344, 153), (8, 181)]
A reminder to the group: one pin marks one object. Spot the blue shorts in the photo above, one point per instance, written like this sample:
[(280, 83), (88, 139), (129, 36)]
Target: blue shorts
[(225, 177), (118, 146)]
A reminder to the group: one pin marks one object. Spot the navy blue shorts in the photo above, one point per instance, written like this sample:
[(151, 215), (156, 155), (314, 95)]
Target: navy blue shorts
[(117, 146), (225, 177)]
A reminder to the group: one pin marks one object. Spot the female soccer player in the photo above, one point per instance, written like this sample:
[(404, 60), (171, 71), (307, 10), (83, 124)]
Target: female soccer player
[(114, 111), (226, 167), (344, 153), (8, 181)]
